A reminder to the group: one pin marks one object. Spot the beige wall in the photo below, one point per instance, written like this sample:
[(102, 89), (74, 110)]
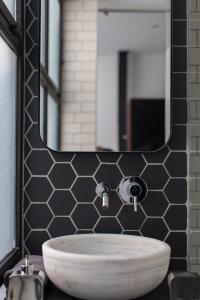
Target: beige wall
[(79, 75)]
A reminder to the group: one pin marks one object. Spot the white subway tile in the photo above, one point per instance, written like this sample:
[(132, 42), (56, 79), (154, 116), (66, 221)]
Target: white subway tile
[(88, 107), (86, 36), (85, 117), (85, 76), (88, 87), (88, 128), (85, 96), (84, 138), (73, 5)]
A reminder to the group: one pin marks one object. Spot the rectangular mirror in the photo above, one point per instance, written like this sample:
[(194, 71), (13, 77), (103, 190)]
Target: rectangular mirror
[(105, 74)]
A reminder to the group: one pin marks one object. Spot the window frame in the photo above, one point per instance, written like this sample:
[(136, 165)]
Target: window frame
[(11, 30), (45, 80)]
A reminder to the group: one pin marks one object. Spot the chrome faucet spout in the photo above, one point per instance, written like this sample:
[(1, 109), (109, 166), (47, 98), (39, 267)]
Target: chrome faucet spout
[(103, 191), (105, 202)]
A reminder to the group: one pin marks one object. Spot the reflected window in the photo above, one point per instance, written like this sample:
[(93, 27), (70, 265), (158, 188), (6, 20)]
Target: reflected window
[(54, 41), (43, 33), (52, 123), (50, 72)]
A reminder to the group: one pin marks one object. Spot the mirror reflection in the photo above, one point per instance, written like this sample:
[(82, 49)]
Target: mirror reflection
[(105, 74)]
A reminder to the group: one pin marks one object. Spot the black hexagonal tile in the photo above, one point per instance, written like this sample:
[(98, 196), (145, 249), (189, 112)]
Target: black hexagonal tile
[(108, 157), (109, 174), (178, 244), (176, 191), (38, 216), (85, 163), (28, 17), (39, 189), (176, 217), (155, 204), (155, 176), (157, 156), (33, 56), (34, 30), (28, 42), (178, 265), (28, 122), (27, 175), (34, 137), (154, 228), (85, 216), (28, 69), (62, 156), (61, 226), (27, 229), (176, 164), (26, 202), (82, 231), (132, 232), (108, 225), (132, 164), (27, 149), (84, 189), (178, 138), (32, 109), (62, 176), (62, 203), (115, 204), (129, 219), (39, 162), (35, 240), (33, 82)]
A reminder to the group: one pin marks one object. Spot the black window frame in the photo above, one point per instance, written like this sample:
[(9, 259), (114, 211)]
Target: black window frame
[(46, 82), (11, 30)]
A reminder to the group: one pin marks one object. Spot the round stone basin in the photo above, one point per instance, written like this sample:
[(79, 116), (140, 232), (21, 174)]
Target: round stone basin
[(106, 266)]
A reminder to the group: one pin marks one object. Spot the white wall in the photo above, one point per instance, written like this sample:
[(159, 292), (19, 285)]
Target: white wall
[(146, 75), (107, 101)]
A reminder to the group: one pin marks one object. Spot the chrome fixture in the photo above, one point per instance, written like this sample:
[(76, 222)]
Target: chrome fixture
[(103, 191), (26, 283), (133, 190)]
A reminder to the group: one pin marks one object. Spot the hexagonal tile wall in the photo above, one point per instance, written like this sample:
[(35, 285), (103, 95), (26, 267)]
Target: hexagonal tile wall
[(109, 174), (61, 226), (39, 189), (39, 162), (62, 176), (60, 187), (62, 203), (84, 189)]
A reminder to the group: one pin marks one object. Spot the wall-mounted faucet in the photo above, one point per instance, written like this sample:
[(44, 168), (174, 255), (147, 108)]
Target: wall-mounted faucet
[(133, 190), (103, 191)]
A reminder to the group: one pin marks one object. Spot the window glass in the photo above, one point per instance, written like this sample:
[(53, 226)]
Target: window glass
[(54, 41), (8, 63), (52, 122), (43, 29), (42, 112), (11, 5)]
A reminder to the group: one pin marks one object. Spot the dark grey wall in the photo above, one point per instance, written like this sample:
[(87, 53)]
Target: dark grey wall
[(59, 188)]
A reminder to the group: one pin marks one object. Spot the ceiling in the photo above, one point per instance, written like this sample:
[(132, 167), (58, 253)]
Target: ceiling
[(136, 4), (137, 32)]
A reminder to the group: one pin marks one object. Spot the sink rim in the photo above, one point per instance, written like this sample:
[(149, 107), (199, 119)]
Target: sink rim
[(49, 245)]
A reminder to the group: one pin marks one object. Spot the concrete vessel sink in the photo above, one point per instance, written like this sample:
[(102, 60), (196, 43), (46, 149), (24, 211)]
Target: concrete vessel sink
[(106, 266)]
